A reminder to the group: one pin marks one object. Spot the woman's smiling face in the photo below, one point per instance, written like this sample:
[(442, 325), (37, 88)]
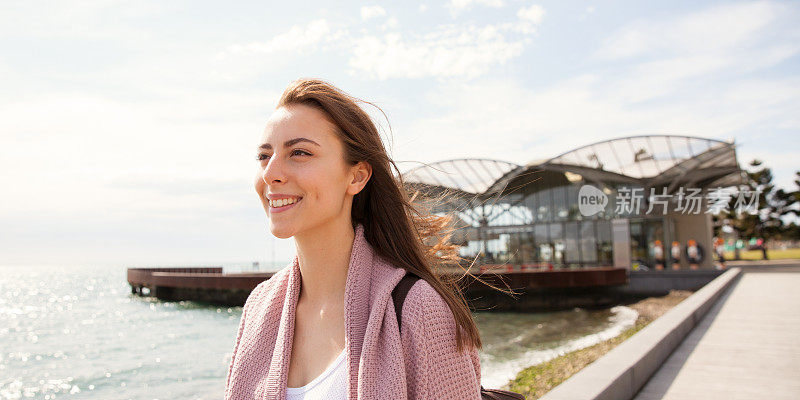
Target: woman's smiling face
[(303, 179)]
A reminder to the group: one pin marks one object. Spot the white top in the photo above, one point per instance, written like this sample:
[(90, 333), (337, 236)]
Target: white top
[(331, 384)]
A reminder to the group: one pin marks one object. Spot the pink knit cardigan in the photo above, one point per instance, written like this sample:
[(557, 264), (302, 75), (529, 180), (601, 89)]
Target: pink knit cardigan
[(381, 365)]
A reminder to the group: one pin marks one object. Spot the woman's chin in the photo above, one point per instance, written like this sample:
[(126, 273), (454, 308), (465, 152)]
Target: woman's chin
[(281, 232)]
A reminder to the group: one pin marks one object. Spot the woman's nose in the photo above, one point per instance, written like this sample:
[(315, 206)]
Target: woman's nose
[(272, 173)]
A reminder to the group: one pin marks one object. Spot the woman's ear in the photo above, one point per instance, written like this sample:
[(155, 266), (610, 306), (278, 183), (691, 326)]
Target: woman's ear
[(360, 173)]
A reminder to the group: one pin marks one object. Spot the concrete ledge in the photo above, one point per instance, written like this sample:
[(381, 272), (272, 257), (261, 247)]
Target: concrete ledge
[(659, 283), (625, 369)]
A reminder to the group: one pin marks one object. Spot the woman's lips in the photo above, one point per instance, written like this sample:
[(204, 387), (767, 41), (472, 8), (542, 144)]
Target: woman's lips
[(283, 208)]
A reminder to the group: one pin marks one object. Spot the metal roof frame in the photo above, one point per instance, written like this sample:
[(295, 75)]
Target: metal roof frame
[(710, 161)]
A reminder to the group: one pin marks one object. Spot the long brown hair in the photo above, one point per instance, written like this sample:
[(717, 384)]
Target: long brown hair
[(400, 230)]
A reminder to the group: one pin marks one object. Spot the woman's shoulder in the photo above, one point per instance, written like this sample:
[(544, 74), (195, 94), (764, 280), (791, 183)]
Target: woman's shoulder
[(423, 291), (434, 365), (425, 308)]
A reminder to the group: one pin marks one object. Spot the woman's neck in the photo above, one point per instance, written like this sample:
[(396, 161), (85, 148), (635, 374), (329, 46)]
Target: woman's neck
[(324, 258)]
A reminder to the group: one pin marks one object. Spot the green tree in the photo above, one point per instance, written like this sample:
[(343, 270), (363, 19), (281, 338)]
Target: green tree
[(773, 205), (792, 230)]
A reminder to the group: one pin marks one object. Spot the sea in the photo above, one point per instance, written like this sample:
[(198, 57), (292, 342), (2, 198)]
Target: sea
[(77, 332)]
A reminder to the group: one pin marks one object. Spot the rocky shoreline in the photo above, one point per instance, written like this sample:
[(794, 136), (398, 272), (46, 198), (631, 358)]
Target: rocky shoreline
[(539, 379)]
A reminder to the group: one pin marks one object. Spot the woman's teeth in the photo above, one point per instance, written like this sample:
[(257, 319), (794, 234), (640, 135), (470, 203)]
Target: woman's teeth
[(283, 202)]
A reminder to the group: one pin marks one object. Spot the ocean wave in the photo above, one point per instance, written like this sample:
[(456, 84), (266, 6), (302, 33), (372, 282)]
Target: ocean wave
[(498, 375)]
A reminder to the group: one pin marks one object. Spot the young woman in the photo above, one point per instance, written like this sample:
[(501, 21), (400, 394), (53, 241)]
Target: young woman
[(325, 326)]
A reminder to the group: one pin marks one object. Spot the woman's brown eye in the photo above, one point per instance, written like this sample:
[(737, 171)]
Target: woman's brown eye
[(262, 157), (298, 152)]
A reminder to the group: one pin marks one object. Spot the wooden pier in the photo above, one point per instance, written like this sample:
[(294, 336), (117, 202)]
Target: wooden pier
[(538, 289), (203, 284)]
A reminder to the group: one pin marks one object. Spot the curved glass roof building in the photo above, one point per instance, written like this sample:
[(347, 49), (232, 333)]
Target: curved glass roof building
[(616, 202)]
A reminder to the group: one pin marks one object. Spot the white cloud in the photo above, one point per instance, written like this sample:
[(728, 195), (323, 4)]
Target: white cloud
[(586, 12), (457, 6), (502, 118), (82, 19), (390, 23), (423, 8), (58, 153), (529, 18), (718, 29), (673, 88), (368, 12), (297, 38), (664, 57), (653, 79), (93, 173), (446, 52), (534, 14)]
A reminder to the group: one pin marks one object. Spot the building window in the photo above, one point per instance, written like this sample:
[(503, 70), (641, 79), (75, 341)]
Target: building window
[(572, 251), (560, 204), (557, 243), (605, 246), (544, 203), (589, 248)]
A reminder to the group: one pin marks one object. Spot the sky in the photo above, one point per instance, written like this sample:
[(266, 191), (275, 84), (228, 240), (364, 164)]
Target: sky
[(128, 129)]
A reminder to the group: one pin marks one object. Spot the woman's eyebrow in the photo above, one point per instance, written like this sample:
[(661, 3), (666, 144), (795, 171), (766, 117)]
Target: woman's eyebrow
[(288, 143)]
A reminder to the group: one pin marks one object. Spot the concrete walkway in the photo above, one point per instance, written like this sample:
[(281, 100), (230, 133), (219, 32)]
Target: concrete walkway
[(746, 347)]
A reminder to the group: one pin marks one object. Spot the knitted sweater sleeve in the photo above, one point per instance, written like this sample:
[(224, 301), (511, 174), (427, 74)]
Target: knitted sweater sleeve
[(434, 367), (252, 298), (236, 346)]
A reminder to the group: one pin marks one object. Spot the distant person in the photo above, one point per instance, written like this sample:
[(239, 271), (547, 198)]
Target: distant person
[(675, 253), (719, 248), (694, 254), (325, 326), (762, 245), (658, 255)]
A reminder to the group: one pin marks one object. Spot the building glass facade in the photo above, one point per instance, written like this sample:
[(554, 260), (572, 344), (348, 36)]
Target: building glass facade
[(542, 227), (530, 215)]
